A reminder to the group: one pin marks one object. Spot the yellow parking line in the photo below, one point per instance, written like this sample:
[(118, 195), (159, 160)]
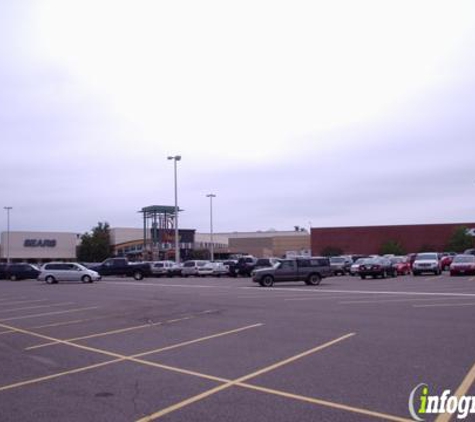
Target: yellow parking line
[(119, 330), (6, 299), (57, 324), (461, 391), (397, 300), (36, 307), (20, 302), (119, 358), (229, 384), (48, 313), (325, 403), (226, 382), (443, 305)]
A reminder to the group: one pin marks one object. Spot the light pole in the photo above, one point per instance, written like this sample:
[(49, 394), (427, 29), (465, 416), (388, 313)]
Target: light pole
[(211, 196), (8, 233), (176, 158)]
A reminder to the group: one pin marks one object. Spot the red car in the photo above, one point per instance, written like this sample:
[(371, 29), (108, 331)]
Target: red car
[(463, 265), (446, 260), (402, 265)]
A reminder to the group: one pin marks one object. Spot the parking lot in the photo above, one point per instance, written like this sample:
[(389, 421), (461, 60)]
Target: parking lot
[(207, 349)]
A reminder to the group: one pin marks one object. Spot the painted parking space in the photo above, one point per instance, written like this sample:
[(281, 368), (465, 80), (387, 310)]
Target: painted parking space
[(298, 348)]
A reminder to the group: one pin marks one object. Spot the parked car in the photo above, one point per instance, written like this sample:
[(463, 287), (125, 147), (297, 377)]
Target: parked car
[(310, 270), (341, 264), (426, 262), (220, 269), (165, 269), (244, 266), (266, 262), (355, 267), (469, 252), (377, 267), (463, 265), (121, 266), (446, 260), (197, 268), (19, 271), (53, 272), (401, 265)]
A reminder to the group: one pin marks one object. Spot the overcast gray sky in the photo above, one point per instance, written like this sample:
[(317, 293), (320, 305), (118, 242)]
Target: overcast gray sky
[(326, 113)]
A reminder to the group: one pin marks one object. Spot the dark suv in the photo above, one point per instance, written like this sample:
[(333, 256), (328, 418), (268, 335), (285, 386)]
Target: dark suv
[(19, 272), (310, 270)]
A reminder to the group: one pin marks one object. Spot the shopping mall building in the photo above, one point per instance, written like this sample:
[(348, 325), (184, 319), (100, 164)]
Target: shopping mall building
[(134, 243), (39, 247)]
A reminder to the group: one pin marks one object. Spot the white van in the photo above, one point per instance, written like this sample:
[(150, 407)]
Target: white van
[(197, 268), (53, 272)]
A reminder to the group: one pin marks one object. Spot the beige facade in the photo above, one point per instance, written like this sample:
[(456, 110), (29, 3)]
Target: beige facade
[(39, 245), (271, 246)]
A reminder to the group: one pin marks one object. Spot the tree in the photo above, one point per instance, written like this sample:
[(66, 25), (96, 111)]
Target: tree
[(460, 240), (95, 245), (391, 247), (331, 251)]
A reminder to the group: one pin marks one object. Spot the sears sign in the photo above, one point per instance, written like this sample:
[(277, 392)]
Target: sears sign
[(39, 243)]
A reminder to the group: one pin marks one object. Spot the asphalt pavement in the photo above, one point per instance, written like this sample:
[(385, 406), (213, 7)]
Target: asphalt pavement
[(207, 349)]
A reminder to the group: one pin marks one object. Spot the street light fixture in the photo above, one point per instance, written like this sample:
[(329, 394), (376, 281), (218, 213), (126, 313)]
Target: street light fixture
[(8, 233), (211, 196), (176, 158)]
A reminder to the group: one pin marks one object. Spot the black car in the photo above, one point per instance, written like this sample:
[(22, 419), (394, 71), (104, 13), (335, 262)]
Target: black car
[(377, 268), (3, 268), (243, 266), (19, 272), (266, 262)]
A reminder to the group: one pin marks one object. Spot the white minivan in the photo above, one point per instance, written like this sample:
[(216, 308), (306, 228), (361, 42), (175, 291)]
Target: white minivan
[(53, 272), (198, 268)]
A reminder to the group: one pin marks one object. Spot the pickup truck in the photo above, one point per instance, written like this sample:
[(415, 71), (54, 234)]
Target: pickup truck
[(122, 267), (310, 270)]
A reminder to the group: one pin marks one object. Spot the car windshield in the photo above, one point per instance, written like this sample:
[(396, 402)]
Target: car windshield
[(397, 260), (464, 258), (337, 260), (429, 256), (359, 261)]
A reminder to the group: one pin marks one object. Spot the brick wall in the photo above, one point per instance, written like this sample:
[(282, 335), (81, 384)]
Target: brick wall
[(368, 240)]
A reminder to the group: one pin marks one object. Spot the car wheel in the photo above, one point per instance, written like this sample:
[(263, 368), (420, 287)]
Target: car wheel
[(13, 277), (451, 274), (50, 280), (384, 274), (314, 280), (267, 281), (138, 275), (363, 277), (86, 279), (415, 273)]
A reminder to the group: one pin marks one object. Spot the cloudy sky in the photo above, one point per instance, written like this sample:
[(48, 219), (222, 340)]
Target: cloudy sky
[(292, 112)]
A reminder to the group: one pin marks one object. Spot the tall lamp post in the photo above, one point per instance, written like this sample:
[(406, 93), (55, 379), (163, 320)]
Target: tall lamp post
[(176, 158), (211, 196), (8, 233)]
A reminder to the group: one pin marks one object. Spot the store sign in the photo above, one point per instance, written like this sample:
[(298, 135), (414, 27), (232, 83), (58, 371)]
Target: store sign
[(39, 243)]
